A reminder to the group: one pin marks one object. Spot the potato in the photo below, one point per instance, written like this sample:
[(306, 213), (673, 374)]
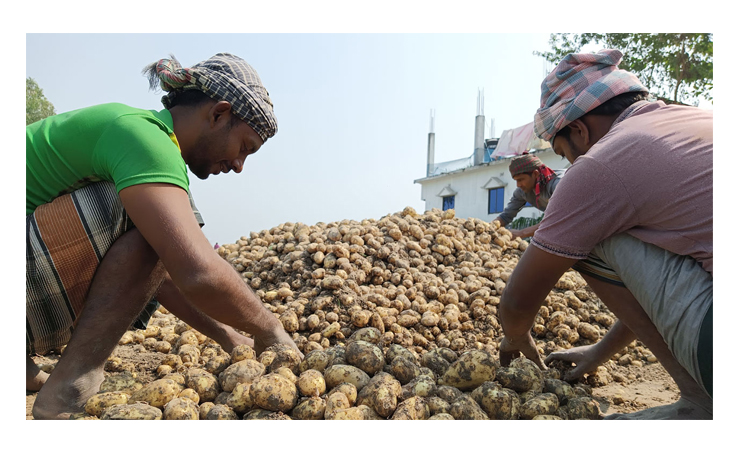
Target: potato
[(396, 350), (285, 356), (221, 412), (99, 402), (172, 361), (369, 413), (262, 414), (176, 377), (435, 362), (561, 389), (82, 416), (287, 373), (189, 353), (336, 355), (404, 369), (517, 379), (121, 382), (414, 408), (470, 370), (157, 393), (365, 355), (181, 408), (335, 402), (222, 398), (204, 383), (240, 400), (448, 393), (583, 408), (316, 359), (352, 413), (190, 394), (547, 417), (437, 405), (421, 386), (203, 409), (447, 354), (218, 363), (242, 352), (137, 411), (381, 394), (542, 404), (347, 389), (441, 416), (244, 371), (311, 383), (496, 402), (273, 393), (369, 334), (465, 408), (340, 373), (312, 408), (535, 372), (163, 370)]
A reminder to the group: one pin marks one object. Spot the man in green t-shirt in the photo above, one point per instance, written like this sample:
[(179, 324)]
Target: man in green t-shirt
[(110, 220)]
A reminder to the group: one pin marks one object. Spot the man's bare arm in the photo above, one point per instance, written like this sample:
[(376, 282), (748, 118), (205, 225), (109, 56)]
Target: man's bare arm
[(163, 215), (532, 279)]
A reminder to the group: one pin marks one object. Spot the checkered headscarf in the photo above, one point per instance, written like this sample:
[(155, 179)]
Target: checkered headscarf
[(580, 83), (221, 77)]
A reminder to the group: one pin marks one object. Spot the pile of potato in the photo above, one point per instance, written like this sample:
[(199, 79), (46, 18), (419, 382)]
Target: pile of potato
[(424, 281), (397, 319), (361, 380)]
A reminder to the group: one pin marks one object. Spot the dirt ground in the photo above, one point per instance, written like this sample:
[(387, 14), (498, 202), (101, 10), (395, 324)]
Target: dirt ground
[(638, 387)]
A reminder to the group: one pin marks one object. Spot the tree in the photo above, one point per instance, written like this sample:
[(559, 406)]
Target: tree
[(675, 67), (37, 105)]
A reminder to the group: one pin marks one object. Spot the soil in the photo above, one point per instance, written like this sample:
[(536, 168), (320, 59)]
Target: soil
[(640, 388)]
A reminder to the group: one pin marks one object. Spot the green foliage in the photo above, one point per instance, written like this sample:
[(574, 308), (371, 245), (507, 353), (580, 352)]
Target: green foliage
[(524, 222), (37, 105), (677, 67)]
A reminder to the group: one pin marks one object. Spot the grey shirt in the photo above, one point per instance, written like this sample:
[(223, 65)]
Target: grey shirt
[(520, 198)]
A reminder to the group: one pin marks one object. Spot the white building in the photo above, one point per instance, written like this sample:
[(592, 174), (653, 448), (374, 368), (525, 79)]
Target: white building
[(480, 186)]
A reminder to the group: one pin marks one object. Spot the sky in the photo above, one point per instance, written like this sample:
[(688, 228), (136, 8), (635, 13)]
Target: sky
[(353, 111)]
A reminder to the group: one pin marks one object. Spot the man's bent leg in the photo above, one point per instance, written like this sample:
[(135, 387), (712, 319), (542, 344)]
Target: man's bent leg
[(662, 290), (694, 404), (35, 377), (127, 277)]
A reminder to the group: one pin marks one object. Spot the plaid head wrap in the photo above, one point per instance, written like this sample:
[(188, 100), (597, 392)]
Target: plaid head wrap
[(528, 163), (221, 77), (525, 163), (580, 83)]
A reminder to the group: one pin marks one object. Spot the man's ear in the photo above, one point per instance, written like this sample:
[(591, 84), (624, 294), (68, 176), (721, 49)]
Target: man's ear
[(219, 113), (580, 131)]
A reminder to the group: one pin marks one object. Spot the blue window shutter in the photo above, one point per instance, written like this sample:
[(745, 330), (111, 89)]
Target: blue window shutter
[(496, 200), (449, 202)]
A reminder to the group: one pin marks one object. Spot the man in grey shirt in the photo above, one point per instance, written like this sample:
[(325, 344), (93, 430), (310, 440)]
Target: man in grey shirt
[(535, 184)]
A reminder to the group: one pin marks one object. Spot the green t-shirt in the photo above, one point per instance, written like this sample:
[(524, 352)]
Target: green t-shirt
[(111, 142)]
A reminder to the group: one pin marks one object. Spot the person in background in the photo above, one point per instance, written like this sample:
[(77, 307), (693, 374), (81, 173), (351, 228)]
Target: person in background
[(535, 184)]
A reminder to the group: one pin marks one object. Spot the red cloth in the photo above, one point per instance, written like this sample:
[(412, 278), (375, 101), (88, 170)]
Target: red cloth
[(545, 175)]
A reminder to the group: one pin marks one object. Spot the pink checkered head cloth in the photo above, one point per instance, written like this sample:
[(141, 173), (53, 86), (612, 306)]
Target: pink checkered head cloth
[(580, 83)]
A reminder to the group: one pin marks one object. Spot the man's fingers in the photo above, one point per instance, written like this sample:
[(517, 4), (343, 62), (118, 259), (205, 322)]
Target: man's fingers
[(507, 357), (533, 355), (559, 356)]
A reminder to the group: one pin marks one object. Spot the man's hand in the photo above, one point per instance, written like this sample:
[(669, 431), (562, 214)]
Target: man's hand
[(279, 336), (516, 233), (510, 348), (585, 358)]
